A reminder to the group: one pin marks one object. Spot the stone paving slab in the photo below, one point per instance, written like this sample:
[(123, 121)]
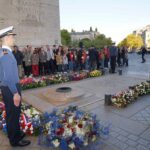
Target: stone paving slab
[(143, 116), (105, 113)]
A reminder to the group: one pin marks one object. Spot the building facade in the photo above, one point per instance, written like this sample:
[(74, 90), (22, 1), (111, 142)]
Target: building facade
[(145, 34), (77, 36), (36, 22)]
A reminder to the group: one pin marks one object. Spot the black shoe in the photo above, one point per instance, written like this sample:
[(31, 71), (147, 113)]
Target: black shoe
[(22, 135), (22, 143)]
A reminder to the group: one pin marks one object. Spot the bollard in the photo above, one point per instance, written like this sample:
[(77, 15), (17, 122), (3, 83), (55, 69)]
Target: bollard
[(103, 71), (120, 72), (108, 101)]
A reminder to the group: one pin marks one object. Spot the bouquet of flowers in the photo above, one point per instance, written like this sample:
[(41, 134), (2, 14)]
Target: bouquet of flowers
[(128, 96), (143, 88), (79, 76), (30, 82), (70, 128), (119, 100), (95, 73), (29, 119), (54, 79), (3, 121), (2, 109), (65, 77)]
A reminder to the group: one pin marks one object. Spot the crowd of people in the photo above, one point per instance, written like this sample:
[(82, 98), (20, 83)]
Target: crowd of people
[(45, 60)]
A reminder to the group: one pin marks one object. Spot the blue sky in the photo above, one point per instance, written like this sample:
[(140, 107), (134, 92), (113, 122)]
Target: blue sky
[(114, 18)]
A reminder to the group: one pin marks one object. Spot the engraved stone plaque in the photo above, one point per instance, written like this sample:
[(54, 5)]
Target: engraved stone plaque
[(36, 22)]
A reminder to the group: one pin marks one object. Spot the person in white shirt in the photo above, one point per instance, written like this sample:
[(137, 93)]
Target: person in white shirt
[(50, 60), (65, 62)]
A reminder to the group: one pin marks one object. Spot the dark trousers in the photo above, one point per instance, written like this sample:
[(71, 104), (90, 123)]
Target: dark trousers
[(113, 63), (43, 67), (28, 70), (48, 70), (92, 64), (52, 66), (106, 60), (143, 59), (12, 115), (24, 67)]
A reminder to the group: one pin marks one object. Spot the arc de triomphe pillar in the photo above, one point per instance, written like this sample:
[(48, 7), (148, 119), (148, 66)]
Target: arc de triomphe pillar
[(36, 22)]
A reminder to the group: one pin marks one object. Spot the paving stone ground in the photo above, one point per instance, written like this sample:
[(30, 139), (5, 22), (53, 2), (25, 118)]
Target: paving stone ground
[(129, 127)]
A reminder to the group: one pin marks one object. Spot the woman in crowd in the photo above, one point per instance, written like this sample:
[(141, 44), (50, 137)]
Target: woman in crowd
[(84, 57), (106, 56), (35, 63), (59, 61), (27, 58), (101, 58), (65, 62), (70, 56), (43, 60)]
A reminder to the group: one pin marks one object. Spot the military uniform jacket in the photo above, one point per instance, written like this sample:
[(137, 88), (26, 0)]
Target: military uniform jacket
[(8, 70)]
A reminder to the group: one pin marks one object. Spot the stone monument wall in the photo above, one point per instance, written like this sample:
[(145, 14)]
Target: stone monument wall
[(36, 22)]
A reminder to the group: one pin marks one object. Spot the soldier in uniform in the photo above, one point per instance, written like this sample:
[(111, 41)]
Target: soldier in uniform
[(10, 88)]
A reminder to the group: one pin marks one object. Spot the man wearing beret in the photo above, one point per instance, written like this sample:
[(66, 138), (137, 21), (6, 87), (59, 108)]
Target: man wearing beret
[(10, 88)]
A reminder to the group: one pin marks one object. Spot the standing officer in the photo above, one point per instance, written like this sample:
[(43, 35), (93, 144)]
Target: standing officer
[(113, 55), (9, 84)]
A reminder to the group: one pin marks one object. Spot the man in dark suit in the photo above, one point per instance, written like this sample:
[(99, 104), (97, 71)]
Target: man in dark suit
[(113, 55), (10, 88)]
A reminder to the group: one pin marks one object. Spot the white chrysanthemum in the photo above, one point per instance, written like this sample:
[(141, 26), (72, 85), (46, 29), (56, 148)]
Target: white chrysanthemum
[(85, 143), (70, 119), (31, 128), (67, 132), (94, 138), (71, 145), (56, 143), (113, 100), (79, 131), (35, 112), (26, 127), (28, 113)]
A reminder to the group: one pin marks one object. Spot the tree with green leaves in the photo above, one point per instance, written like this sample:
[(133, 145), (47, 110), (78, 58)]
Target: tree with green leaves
[(65, 37), (101, 41), (86, 42)]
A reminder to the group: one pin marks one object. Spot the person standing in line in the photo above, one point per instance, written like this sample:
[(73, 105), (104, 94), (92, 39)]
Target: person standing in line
[(113, 56), (10, 88), (27, 55), (92, 58), (106, 56), (19, 58), (43, 60), (65, 62), (50, 59), (24, 50), (35, 62)]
